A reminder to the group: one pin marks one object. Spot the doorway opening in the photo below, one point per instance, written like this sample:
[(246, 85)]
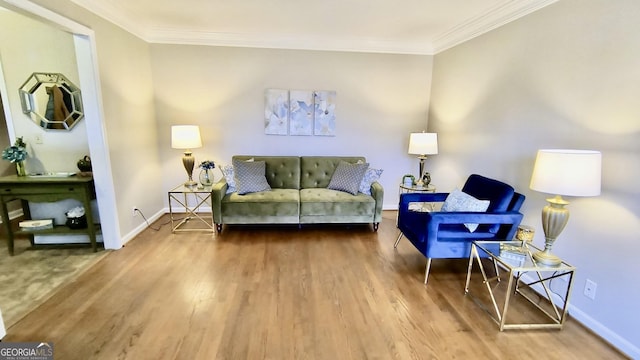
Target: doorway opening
[(84, 41)]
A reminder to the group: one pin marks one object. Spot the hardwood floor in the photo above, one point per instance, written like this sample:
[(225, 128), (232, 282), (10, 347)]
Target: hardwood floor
[(282, 293)]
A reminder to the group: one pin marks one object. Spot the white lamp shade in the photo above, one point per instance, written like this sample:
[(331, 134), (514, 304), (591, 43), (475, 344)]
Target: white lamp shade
[(423, 144), (185, 137), (567, 172)]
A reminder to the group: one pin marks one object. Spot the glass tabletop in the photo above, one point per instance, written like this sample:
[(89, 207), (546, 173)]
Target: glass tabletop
[(516, 256), (180, 189), (416, 188)]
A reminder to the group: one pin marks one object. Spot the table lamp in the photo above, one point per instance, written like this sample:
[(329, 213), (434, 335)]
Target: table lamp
[(563, 172), (186, 137), (423, 144)]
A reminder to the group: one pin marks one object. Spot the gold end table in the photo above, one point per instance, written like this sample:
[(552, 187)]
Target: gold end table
[(517, 267), (192, 199)]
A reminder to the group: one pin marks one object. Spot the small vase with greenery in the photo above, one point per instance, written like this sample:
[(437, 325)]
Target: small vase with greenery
[(17, 154), (206, 176)]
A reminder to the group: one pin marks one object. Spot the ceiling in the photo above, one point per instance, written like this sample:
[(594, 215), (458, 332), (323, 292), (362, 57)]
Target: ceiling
[(384, 26)]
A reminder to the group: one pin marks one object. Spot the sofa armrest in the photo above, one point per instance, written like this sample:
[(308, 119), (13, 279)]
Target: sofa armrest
[(377, 191), (218, 191)]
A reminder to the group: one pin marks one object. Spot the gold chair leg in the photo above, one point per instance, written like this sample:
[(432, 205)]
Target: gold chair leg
[(426, 271), (398, 240)]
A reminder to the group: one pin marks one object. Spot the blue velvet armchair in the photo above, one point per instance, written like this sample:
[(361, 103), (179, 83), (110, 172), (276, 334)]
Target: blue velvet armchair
[(443, 234)]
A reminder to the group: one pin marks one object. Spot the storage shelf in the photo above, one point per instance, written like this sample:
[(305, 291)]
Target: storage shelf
[(58, 229)]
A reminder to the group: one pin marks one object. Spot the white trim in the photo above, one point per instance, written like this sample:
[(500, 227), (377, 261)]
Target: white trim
[(501, 14), (493, 18), (140, 228), (605, 333), (46, 16), (587, 321), (98, 145), (108, 11), (347, 44), (5, 105)]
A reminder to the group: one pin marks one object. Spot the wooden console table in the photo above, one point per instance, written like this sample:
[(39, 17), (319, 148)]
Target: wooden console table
[(47, 189)]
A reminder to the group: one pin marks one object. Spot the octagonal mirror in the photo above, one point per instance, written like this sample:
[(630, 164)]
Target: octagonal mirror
[(52, 101)]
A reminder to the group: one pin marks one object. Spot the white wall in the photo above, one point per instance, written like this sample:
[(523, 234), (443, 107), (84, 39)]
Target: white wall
[(564, 77), (129, 118), (380, 99)]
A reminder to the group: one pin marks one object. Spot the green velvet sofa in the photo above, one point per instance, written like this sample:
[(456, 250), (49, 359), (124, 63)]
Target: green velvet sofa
[(298, 195)]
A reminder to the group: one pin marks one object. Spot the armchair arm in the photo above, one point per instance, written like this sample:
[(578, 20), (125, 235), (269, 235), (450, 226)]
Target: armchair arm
[(462, 217), (406, 198), (512, 218), (218, 191)]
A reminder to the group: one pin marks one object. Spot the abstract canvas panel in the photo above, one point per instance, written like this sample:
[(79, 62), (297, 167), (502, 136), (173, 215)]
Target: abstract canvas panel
[(301, 111), (324, 113), (276, 112)]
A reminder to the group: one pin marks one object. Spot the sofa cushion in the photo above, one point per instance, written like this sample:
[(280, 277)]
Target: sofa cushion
[(370, 176), (348, 177), (249, 176), (459, 201), (275, 206), (335, 203)]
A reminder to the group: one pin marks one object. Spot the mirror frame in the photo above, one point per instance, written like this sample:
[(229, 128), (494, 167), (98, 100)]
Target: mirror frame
[(31, 99)]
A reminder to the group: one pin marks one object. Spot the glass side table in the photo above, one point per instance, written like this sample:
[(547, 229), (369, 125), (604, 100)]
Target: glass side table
[(526, 279), (415, 206), (418, 206), (192, 200)]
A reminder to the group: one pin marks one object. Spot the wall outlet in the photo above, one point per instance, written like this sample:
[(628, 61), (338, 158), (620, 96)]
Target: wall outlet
[(590, 289), (134, 211)]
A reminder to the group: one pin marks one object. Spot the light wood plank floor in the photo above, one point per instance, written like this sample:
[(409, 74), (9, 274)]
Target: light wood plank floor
[(282, 293)]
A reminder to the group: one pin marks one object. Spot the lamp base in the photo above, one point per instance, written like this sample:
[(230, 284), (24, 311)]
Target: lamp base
[(546, 258), (188, 161), (190, 183)]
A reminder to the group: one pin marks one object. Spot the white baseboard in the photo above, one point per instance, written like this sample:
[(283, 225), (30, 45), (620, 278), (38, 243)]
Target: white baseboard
[(598, 328), (611, 337), (138, 229)]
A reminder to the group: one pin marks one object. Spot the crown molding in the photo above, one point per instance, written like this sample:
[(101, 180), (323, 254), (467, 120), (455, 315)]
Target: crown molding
[(349, 44), (493, 18), (501, 14), (111, 13)]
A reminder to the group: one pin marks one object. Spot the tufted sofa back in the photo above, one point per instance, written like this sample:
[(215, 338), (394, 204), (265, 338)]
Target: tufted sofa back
[(294, 172), (316, 171), (282, 172)]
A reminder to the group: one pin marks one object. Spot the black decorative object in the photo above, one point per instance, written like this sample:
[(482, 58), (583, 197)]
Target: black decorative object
[(84, 164), (77, 222)]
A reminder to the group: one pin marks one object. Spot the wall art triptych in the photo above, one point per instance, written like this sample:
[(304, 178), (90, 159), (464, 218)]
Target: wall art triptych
[(300, 112)]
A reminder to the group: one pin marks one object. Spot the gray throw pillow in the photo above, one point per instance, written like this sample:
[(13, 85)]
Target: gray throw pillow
[(460, 201), (250, 176), (370, 176), (229, 175), (348, 177)]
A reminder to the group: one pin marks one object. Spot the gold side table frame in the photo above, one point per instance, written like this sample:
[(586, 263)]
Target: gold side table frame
[(200, 198), (415, 206), (557, 313)]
